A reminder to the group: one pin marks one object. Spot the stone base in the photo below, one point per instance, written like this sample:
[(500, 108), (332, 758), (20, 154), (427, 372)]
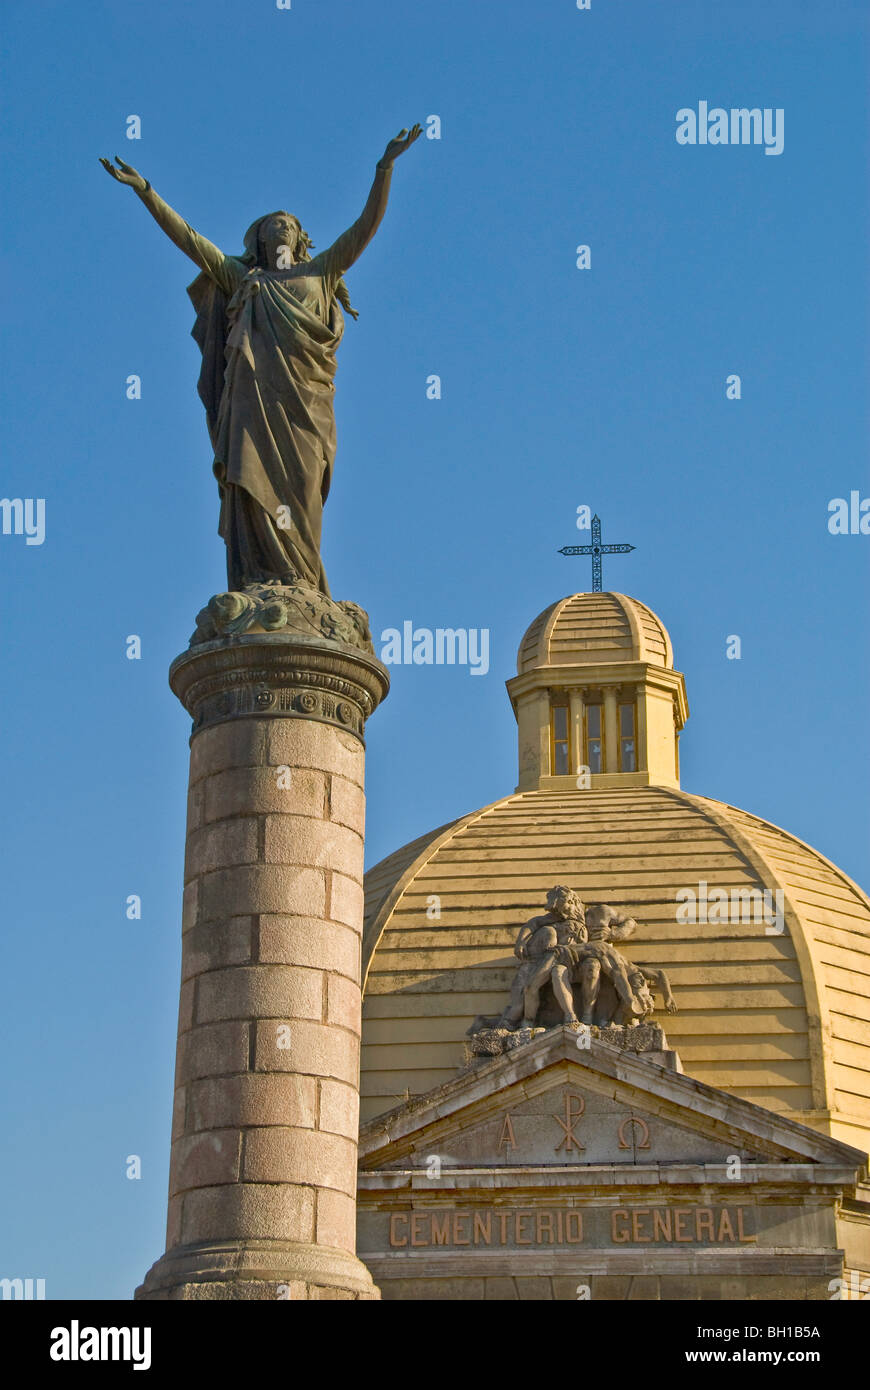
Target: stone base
[(643, 1037), (494, 1042), (234, 1270), (646, 1038)]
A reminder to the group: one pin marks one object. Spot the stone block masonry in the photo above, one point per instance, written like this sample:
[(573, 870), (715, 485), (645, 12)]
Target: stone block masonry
[(265, 1122)]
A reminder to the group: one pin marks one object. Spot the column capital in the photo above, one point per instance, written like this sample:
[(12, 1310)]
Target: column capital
[(278, 675)]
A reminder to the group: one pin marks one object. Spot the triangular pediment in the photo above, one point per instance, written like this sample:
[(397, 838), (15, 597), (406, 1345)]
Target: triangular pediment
[(553, 1104)]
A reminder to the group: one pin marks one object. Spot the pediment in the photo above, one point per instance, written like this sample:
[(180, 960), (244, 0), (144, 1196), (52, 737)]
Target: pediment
[(550, 1104)]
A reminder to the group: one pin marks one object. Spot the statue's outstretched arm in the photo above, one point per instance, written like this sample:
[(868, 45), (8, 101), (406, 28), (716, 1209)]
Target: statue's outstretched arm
[(351, 244), (622, 926), (201, 251)]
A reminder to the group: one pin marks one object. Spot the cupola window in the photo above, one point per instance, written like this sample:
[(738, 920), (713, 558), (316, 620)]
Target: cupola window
[(627, 737), (559, 738), (594, 740)]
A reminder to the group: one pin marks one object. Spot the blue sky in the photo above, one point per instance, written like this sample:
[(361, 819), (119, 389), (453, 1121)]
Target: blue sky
[(560, 387)]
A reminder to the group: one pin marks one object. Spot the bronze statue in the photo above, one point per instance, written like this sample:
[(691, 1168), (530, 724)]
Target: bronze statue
[(268, 324)]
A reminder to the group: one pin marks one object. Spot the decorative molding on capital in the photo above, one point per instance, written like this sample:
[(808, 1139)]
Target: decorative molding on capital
[(275, 607), (278, 675)]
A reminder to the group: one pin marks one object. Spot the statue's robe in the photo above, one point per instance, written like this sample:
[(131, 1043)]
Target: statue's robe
[(270, 410), (268, 340)]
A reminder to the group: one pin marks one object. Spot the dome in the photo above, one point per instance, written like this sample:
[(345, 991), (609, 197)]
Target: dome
[(585, 629), (773, 991), (775, 1017)]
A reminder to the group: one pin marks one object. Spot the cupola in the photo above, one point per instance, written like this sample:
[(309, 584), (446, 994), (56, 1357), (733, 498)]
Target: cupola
[(597, 700)]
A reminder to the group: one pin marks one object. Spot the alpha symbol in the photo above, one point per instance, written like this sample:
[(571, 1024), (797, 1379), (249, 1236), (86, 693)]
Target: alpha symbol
[(508, 1138)]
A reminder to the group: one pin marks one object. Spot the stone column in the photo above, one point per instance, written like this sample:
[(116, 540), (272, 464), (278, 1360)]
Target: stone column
[(262, 1190), (575, 702), (611, 730), (642, 757)]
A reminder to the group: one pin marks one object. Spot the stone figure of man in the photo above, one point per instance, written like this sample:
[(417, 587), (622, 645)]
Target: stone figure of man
[(546, 947), (605, 924)]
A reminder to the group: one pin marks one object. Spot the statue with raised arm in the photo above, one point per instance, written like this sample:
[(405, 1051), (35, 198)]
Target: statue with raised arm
[(268, 323)]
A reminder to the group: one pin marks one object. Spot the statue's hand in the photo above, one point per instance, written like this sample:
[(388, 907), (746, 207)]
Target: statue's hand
[(125, 173), (403, 141)]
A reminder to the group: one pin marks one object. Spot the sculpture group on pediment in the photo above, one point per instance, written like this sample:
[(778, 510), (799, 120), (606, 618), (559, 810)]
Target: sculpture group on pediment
[(568, 953)]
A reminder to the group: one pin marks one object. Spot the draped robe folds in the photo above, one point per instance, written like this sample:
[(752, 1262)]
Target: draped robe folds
[(268, 340), (274, 424)]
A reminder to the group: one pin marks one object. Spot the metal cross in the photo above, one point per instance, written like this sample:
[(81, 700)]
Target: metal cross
[(596, 550)]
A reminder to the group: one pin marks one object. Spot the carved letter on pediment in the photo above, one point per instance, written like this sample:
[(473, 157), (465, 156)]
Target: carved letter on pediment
[(574, 1107), (642, 1132)]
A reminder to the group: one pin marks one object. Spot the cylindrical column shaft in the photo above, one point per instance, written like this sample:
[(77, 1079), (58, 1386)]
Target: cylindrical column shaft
[(266, 1105), (265, 1123)]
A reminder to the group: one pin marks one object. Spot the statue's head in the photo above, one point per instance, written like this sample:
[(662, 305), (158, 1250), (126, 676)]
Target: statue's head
[(564, 902), (276, 241), (279, 240)]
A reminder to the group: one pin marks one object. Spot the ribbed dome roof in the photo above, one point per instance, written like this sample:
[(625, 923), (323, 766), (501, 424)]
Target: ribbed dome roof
[(781, 1020), (586, 629)]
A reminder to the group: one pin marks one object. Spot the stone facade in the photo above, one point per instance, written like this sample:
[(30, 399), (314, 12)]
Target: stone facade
[(558, 1172)]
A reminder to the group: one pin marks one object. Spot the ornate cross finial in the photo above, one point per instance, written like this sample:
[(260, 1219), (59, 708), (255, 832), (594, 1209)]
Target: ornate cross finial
[(596, 550)]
